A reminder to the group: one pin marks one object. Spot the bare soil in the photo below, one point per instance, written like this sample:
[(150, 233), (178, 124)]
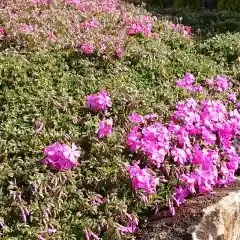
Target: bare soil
[(164, 227)]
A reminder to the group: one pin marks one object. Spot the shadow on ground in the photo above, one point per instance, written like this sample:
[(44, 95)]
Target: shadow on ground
[(205, 23)]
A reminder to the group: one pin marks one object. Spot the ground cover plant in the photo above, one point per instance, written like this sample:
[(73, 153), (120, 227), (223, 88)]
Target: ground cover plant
[(106, 113)]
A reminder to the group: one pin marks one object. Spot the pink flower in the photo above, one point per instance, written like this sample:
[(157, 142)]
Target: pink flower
[(171, 26), (71, 153), (61, 156), (28, 28), (90, 24), (156, 36), (209, 82), (44, 2), (233, 97), (134, 117), (189, 181), (97, 201), (52, 36), (179, 155), (222, 83), (105, 128), (99, 102), (144, 26), (238, 105), (187, 30), (196, 88), (131, 226), (119, 52), (2, 34), (208, 137), (186, 81), (180, 194), (87, 48), (143, 179)]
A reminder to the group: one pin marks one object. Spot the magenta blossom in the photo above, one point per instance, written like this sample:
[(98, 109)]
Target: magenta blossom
[(2, 34), (90, 24), (222, 83), (134, 117), (143, 179), (210, 82), (156, 36), (88, 48), (105, 128), (27, 28), (99, 102), (180, 194), (152, 140), (61, 156), (52, 36), (131, 224), (233, 97), (140, 26), (119, 52), (187, 31)]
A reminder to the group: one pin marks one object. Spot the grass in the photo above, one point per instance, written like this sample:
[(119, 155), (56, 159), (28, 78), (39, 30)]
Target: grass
[(51, 85)]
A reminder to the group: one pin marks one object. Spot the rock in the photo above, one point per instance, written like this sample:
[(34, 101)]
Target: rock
[(214, 216), (220, 221)]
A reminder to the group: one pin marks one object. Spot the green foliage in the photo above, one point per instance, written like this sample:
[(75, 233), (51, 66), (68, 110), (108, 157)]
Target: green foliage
[(186, 3), (232, 5), (223, 48), (51, 86), (204, 23)]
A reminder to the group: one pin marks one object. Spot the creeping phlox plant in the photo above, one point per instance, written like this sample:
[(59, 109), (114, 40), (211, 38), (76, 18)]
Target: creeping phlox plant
[(86, 25), (197, 141)]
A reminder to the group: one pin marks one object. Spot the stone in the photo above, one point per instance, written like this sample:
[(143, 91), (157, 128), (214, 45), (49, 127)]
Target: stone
[(214, 216), (220, 221)]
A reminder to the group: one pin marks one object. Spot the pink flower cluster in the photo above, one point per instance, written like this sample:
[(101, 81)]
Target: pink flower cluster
[(61, 156), (212, 126), (88, 48), (90, 24), (187, 82), (220, 83), (186, 30), (140, 26), (105, 6), (28, 28), (105, 128), (143, 179), (198, 135), (2, 34), (52, 36), (152, 139), (99, 102)]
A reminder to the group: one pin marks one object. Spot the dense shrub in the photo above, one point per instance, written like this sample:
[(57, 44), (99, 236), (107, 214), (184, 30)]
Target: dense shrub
[(44, 84), (222, 48)]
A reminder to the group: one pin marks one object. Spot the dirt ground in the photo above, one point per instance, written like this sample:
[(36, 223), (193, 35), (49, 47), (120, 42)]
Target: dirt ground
[(165, 227)]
